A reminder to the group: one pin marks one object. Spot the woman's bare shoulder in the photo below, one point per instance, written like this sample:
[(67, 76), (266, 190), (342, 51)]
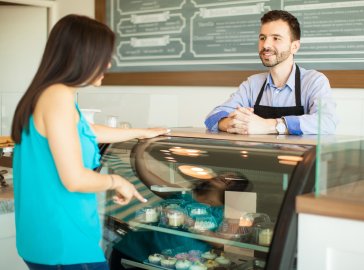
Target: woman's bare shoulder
[(57, 96)]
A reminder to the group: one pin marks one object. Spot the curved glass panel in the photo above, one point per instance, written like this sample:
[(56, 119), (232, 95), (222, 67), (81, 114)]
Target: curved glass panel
[(210, 195)]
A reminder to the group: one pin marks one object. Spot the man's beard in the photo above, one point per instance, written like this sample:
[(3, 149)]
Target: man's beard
[(280, 57)]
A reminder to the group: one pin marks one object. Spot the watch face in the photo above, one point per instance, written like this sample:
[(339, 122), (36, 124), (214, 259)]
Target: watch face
[(281, 128)]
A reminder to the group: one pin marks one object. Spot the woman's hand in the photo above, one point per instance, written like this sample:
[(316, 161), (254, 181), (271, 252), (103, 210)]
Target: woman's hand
[(153, 132), (125, 191)]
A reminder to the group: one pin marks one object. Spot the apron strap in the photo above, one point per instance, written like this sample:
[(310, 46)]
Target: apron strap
[(297, 88), (260, 93)]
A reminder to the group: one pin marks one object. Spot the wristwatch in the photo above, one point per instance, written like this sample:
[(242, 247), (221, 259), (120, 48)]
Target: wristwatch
[(281, 126)]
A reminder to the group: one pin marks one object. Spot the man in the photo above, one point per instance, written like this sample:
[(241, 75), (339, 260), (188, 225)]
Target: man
[(284, 101)]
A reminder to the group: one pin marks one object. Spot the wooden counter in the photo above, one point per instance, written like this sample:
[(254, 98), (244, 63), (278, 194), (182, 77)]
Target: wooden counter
[(270, 138), (6, 141), (346, 201)]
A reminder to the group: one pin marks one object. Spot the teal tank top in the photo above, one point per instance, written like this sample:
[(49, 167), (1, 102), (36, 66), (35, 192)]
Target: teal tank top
[(54, 225)]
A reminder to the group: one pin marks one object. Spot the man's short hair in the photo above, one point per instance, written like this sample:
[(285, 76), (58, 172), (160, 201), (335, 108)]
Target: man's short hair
[(275, 15)]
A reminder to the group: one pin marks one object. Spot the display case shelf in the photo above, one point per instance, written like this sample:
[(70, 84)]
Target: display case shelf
[(200, 237), (139, 265)]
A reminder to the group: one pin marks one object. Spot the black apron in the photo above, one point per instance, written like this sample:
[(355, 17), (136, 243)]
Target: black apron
[(278, 112)]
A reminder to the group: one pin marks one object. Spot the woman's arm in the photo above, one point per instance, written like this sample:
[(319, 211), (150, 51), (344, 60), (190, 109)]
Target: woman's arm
[(107, 134), (56, 119)]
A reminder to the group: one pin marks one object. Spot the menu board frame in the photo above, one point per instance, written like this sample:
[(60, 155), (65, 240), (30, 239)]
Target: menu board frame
[(337, 78)]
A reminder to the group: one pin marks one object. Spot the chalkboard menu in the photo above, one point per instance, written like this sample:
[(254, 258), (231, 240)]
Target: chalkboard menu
[(222, 35)]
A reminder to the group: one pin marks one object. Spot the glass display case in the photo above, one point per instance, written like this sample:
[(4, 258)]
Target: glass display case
[(214, 201)]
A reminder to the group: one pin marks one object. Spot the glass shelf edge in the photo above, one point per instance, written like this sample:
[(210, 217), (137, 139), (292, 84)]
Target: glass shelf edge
[(200, 237)]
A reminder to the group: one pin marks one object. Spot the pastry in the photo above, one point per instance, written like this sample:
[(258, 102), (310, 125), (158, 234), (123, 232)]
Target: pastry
[(203, 223), (181, 256), (155, 258), (194, 253), (246, 221), (222, 260), (211, 264), (168, 262), (151, 215), (198, 211), (265, 237), (208, 255), (175, 218), (198, 266), (183, 264)]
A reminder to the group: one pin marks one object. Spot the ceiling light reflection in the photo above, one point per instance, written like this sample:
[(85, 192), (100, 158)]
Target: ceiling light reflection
[(197, 172), (186, 151), (290, 158)]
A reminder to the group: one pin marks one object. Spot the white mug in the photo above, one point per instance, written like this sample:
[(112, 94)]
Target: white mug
[(112, 121)]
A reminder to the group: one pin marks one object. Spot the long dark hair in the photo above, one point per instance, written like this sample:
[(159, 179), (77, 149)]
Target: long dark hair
[(78, 51)]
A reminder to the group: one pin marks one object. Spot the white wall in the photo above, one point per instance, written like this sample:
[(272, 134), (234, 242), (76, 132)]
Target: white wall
[(21, 46), (82, 7), (154, 106)]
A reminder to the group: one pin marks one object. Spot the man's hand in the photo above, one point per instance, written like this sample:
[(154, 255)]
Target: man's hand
[(244, 121)]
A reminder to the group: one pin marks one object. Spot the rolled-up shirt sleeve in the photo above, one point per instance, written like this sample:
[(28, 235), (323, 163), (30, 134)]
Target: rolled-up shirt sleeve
[(320, 108), (212, 121), (240, 98)]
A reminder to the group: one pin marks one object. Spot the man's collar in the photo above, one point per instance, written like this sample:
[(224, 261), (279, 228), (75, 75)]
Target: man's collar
[(291, 79)]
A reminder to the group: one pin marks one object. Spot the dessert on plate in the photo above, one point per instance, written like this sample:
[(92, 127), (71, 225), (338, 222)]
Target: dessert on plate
[(168, 262), (183, 264), (198, 266), (222, 260), (209, 255), (211, 264), (155, 258)]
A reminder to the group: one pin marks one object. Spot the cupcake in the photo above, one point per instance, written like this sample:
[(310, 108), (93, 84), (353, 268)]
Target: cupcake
[(198, 266), (194, 253), (211, 264), (155, 258), (183, 264), (208, 255), (222, 260), (168, 262), (181, 256)]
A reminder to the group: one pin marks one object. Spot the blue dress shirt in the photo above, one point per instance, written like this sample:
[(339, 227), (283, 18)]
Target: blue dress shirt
[(316, 98)]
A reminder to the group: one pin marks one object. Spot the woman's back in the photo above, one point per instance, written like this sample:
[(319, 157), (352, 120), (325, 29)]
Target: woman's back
[(54, 225)]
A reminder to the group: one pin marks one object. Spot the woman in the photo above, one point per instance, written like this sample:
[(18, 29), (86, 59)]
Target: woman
[(57, 224)]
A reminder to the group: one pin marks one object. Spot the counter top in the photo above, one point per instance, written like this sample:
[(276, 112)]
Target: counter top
[(346, 201), (6, 141), (273, 138)]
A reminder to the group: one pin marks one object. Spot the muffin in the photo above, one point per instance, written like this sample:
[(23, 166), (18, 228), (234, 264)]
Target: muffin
[(209, 255), (183, 264), (155, 258), (222, 260), (168, 262), (181, 256), (198, 266), (211, 264), (194, 253)]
